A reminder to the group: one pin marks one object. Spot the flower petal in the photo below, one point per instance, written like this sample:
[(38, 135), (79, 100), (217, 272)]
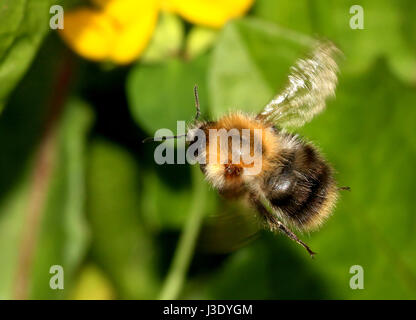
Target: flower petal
[(118, 31), (211, 13), (89, 33), (136, 30), (128, 11)]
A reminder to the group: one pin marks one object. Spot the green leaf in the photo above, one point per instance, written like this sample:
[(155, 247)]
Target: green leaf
[(371, 145), (389, 30), (269, 268), (120, 243), (167, 39), (21, 128), (12, 208), (64, 232), (408, 11), (250, 61), (165, 200), (382, 34), (294, 15), (199, 40), (160, 95), (23, 25), (61, 237)]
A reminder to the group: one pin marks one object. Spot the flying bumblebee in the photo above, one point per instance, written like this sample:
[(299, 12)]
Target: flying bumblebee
[(295, 186)]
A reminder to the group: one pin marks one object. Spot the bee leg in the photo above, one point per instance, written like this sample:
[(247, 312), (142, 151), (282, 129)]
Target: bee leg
[(344, 188), (293, 236), (274, 223)]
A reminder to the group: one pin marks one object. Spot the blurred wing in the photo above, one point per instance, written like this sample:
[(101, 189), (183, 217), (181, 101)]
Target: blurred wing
[(233, 227), (311, 81)]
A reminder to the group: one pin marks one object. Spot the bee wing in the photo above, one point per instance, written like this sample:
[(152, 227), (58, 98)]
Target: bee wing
[(231, 228), (311, 81)]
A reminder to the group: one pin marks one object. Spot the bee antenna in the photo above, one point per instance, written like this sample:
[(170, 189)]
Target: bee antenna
[(198, 113), (151, 139), (148, 139), (198, 110)]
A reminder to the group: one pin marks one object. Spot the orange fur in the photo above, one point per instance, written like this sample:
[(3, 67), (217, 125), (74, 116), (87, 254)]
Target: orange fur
[(269, 143)]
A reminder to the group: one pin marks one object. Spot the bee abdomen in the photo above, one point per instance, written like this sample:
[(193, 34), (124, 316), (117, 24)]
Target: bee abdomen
[(302, 188)]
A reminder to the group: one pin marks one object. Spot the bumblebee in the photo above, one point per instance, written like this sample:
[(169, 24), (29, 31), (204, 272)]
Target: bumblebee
[(295, 186)]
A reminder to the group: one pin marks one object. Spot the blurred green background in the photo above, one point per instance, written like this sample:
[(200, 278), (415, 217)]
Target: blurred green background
[(78, 189)]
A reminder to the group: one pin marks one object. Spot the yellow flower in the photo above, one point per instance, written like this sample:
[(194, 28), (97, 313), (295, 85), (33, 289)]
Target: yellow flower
[(210, 13), (120, 30)]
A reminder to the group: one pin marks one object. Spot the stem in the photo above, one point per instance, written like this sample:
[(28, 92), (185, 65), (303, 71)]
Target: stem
[(185, 248), (44, 162)]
